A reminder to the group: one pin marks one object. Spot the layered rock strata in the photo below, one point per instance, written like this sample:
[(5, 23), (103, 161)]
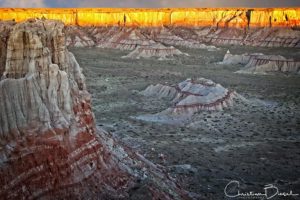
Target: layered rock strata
[(129, 38), (259, 63), (5, 28), (167, 36), (78, 38), (268, 27), (189, 17), (265, 37), (157, 50), (126, 39), (50, 147), (189, 37), (191, 96)]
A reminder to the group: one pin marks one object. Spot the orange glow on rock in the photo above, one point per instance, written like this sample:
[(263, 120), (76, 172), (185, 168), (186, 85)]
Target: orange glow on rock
[(221, 17)]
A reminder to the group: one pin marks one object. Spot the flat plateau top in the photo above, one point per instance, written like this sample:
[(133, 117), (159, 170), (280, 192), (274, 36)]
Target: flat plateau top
[(260, 17), (138, 9)]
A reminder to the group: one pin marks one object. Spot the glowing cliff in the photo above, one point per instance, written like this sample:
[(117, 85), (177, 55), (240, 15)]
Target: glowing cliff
[(221, 17)]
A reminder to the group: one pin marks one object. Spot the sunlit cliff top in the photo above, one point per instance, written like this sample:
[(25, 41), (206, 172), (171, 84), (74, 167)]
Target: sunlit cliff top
[(241, 17)]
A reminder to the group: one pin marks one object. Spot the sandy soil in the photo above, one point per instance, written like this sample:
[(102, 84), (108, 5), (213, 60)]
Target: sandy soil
[(255, 142)]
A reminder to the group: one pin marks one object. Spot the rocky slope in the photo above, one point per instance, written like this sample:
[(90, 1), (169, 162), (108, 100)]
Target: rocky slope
[(188, 98), (259, 63), (276, 27), (125, 39), (157, 50), (169, 36), (78, 38), (49, 145), (189, 37), (5, 28)]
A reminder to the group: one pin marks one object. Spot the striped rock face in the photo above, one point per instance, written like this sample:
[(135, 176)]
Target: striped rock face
[(173, 36), (76, 37), (268, 27), (126, 39), (47, 129), (191, 96), (129, 38), (5, 28), (264, 64), (259, 63), (49, 145), (158, 51), (189, 17)]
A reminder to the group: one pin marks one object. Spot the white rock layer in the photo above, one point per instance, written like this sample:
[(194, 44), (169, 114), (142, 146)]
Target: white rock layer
[(258, 63), (157, 50), (191, 96)]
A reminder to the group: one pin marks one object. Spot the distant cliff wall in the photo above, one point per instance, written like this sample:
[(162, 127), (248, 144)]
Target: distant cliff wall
[(221, 17)]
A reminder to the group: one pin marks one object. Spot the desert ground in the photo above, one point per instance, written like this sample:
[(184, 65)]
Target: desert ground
[(255, 142)]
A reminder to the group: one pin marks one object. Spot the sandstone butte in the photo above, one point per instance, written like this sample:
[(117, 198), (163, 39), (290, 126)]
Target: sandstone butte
[(50, 147), (221, 17)]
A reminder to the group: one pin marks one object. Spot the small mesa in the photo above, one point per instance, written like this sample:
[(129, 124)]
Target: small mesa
[(258, 63), (192, 96), (158, 51)]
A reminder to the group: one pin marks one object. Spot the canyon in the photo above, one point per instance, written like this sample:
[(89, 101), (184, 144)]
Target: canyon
[(252, 139), (151, 128)]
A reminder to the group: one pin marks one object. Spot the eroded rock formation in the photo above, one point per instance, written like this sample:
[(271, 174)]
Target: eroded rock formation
[(270, 27), (189, 37), (192, 96), (265, 64), (258, 63), (167, 36), (78, 38), (126, 39), (49, 145), (265, 37), (156, 50), (123, 39), (218, 17), (5, 28)]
